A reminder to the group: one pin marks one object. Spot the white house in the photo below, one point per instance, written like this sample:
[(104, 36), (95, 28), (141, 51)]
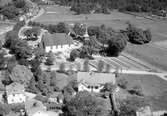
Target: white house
[(56, 97), (94, 81), (58, 42), (15, 93)]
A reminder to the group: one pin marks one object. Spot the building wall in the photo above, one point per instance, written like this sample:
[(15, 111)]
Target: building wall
[(39, 113), (59, 48), (82, 87), (16, 98)]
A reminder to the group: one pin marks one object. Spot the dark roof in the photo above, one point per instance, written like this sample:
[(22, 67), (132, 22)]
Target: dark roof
[(57, 39), (94, 78)]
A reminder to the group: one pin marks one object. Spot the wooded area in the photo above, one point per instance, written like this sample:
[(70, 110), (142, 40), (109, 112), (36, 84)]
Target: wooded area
[(102, 6)]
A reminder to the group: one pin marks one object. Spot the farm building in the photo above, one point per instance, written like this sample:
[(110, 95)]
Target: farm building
[(58, 42), (15, 93), (93, 81)]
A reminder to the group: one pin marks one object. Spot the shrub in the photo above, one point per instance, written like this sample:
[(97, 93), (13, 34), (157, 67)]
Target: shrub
[(137, 90), (123, 83), (137, 35)]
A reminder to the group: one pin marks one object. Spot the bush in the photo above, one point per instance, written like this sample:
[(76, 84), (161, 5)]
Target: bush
[(123, 83), (137, 35), (136, 90)]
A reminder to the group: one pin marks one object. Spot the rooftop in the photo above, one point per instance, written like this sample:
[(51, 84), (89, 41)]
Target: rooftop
[(57, 39), (15, 88), (94, 78), (33, 106)]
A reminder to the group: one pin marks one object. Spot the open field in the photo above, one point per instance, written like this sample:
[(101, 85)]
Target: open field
[(152, 53), (149, 53), (154, 89), (55, 14)]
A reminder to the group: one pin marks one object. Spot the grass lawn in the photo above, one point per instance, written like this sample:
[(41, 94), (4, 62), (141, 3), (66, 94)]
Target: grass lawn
[(154, 89), (148, 53)]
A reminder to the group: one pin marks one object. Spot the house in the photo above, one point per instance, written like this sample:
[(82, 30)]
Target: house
[(94, 81), (58, 42), (34, 107), (15, 93), (56, 97)]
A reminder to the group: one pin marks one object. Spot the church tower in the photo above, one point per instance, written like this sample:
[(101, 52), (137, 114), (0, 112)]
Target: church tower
[(86, 35)]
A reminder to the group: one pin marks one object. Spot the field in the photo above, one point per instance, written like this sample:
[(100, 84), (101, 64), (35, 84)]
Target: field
[(154, 89), (152, 54)]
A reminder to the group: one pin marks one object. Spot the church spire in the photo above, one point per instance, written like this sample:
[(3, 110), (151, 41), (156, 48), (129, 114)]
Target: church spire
[(86, 35)]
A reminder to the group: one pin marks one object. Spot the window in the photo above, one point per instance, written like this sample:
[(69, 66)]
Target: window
[(96, 87)]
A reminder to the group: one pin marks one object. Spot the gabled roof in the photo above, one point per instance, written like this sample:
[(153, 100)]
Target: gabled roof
[(15, 88), (33, 106), (95, 78), (57, 39)]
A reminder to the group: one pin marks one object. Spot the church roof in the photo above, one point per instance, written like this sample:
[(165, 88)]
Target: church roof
[(57, 39), (95, 78), (15, 88)]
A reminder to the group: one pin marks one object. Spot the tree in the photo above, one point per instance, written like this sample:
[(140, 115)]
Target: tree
[(108, 67), (2, 61), (4, 109), (137, 90), (137, 35), (110, 87), (100, 66), (129, 106), (0, 44), (62, 67), (19, 3), (61, 28), (74, 54), (123, 83), (10, 39), (32, 33), (85, 104), (10, 12), (79, 29), (94, 30), (21, 49), (21, 74), (50, 58), (116, 44), (86, 66)]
